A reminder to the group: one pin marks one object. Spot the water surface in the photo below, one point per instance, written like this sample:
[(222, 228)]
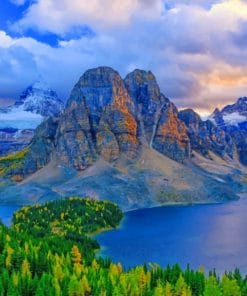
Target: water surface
[(6, 212), (202, 235)]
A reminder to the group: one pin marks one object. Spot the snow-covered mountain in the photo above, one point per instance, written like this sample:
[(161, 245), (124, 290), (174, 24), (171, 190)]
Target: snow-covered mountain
[(234, 115), (17, 122), (41, 99)]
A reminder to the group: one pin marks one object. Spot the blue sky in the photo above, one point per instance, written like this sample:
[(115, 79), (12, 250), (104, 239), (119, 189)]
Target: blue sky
[(196, 49)]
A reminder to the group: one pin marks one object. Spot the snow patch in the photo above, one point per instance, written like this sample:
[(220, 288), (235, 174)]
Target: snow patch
[(234, 118)]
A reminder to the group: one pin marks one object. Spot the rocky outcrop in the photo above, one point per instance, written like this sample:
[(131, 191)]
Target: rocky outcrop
[(205, 136), (234, 115), (98, 121), (232, 120), (158, 122)]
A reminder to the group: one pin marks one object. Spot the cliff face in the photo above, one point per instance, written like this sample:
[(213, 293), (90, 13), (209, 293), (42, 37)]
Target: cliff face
[(158, 122), (98, 120), (232, 120), (205, 136)]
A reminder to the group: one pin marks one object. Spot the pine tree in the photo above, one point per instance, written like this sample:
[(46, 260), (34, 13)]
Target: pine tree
[(211, 287), (230, 287), (75, 287), (168, 289)]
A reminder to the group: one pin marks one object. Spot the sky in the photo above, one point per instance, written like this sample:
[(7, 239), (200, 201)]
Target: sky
[(197, 49)]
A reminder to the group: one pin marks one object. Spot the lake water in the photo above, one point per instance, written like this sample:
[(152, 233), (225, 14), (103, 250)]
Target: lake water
[(202, 235), (6, 213)]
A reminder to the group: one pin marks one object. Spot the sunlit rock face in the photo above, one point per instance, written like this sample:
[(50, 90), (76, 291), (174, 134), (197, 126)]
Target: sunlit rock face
[(158, 121), (99, 120)]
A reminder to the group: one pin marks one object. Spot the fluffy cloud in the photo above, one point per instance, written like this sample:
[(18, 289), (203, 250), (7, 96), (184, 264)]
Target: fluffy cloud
[(195, 48), (60, 16)]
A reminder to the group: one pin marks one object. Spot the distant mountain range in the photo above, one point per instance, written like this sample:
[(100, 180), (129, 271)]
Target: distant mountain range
[(18, 122), (125, 141), (234, 115)]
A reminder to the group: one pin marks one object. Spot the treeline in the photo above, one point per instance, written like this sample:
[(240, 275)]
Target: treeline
[(49, 251)]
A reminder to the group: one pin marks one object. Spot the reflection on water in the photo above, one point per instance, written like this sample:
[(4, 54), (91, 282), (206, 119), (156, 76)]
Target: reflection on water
[(207, 235)]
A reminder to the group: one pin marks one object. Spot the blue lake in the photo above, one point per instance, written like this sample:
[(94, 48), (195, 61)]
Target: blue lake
[(201, 235), (6, 213)]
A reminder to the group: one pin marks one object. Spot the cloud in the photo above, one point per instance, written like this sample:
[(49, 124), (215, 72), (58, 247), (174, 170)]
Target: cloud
[(18, 2), (61, 16), (195, 48), (5, 40)]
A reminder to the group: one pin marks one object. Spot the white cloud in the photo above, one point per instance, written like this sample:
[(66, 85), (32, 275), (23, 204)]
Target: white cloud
[(5, 40), (18, 2), (189, 46), (60, 16)]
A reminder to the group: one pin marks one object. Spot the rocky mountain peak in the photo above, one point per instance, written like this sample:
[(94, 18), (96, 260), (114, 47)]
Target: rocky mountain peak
[(101, 87), (39, 98), (216, 111), (158, 122), (143, 88), (98, 120), (242, 101)]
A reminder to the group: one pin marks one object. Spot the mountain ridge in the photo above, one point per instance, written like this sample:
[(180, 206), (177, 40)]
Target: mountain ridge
[(140, 150)]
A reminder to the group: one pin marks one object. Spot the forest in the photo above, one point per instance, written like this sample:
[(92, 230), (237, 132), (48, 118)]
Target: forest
[(49, 250)]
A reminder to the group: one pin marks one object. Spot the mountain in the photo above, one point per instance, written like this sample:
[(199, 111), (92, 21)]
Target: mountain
[(39, 98), (18, 122), (205, 136), (234, 115), (232, 120), (125, 141)]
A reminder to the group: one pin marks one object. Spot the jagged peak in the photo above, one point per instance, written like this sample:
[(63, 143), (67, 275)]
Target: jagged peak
[(242, 100), (216, 111), (190, 112)]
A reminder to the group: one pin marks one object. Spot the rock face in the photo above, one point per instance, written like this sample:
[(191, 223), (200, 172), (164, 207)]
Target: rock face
[(234, 115), (18, 122), (158, 122), (98, 120), (205, 136), (232, 120)]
